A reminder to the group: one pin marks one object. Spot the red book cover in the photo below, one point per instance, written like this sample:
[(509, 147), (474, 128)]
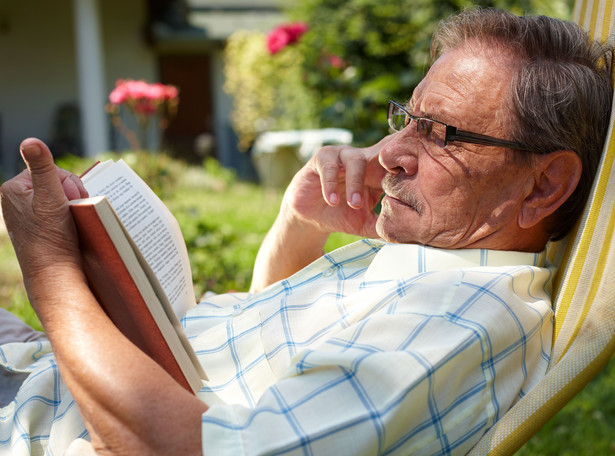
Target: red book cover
[(116, 291)]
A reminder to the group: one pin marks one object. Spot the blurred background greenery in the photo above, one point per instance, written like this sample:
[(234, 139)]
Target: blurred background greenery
[(355, 55)]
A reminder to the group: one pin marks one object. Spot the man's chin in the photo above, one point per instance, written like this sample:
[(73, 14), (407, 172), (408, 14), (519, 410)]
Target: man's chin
[(390, 233)]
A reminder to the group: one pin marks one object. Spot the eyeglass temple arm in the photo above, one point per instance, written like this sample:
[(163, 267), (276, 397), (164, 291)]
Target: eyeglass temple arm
[(453, 134)]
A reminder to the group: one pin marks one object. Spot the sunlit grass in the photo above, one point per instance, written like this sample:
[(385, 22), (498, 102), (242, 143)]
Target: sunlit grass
[(12, 293), (585, 426)]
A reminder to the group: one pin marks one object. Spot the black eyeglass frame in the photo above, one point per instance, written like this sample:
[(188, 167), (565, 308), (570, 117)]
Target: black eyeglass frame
[(455, 134)]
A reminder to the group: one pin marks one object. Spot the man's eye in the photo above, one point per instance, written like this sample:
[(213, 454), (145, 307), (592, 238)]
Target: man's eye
[(425, 127)]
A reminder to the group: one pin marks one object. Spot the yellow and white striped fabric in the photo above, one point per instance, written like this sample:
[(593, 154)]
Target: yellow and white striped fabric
[(584, 335)]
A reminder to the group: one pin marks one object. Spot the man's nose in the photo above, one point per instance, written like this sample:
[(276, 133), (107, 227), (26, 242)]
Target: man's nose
[(400, 155)]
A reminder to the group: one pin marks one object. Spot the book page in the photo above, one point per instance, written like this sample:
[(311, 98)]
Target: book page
[(151, 226)]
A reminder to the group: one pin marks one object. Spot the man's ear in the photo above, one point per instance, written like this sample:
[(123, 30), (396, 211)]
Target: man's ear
[(556, 175)]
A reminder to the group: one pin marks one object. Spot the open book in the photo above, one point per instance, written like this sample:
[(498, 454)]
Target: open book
[(137, 266)]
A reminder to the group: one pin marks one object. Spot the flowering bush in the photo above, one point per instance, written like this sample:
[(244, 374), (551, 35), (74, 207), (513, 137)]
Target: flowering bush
[(268, 88), (286, 34), (145, 101)]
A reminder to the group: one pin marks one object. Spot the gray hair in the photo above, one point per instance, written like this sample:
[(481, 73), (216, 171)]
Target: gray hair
[(561, 91)]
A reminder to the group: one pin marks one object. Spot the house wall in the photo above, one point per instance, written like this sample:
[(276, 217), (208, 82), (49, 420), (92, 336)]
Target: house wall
[(37, 71)]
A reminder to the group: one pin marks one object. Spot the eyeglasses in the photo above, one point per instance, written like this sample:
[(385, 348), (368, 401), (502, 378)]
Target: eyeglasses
[(440, 133)]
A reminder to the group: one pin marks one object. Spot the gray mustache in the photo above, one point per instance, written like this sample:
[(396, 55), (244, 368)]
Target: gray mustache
[(393, 186)]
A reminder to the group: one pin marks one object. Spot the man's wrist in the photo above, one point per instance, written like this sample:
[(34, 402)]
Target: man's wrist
[(291, 221), (43, 280)]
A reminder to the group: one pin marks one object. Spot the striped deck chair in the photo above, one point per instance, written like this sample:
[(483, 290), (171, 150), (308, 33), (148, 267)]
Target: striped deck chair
[(584, 300)]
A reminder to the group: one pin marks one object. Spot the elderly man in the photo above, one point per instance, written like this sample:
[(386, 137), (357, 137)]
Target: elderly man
[(413, 344)]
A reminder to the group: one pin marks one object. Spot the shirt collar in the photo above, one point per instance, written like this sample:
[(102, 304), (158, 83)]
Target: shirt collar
[(397, 261)]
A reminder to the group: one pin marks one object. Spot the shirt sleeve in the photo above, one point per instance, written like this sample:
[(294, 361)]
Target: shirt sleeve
[(428, 372)]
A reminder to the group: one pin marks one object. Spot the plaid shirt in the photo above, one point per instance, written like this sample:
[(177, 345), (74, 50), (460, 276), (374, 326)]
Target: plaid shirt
[(372, 349)]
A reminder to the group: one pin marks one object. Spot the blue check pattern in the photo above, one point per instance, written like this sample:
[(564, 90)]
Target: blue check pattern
[(373, 349)]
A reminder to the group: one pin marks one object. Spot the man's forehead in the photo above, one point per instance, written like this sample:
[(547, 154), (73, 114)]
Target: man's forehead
[(461, 80)]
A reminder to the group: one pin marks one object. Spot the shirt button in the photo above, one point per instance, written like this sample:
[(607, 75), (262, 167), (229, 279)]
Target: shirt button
[(328, 272), (237, 311)]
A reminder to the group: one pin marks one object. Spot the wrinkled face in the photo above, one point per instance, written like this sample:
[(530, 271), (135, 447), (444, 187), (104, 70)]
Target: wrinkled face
[(461, 195)]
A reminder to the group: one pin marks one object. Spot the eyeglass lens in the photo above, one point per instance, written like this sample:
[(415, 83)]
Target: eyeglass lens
[(398, 118), (426, 128)]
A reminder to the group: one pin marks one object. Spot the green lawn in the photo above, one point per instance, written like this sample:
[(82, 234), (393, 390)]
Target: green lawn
[(224, 222), (585, 426)]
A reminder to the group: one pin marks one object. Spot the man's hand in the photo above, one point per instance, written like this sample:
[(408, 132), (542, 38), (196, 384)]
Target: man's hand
[(129, 403), (36, 213), (337, 190)]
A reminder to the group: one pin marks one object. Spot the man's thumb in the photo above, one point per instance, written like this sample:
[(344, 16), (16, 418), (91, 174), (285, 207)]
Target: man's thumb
[(40, 163)]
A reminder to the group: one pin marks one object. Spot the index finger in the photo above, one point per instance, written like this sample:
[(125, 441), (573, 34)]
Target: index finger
[(330, 170), (355, 163)]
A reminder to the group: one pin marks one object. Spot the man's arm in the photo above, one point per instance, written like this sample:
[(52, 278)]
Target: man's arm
[(335, 191), (129, 403)]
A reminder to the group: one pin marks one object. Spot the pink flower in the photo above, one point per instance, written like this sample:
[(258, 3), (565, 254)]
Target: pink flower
[(144, 101), (136, 89), (277, 40), (295, 30), (336, 62), (119, 94), (286, 34), (143, 97), (155, 92), (171, 92)]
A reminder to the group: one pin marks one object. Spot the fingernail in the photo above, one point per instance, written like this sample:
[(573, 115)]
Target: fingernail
[(30, 151), (355, 199), (333, 199)]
